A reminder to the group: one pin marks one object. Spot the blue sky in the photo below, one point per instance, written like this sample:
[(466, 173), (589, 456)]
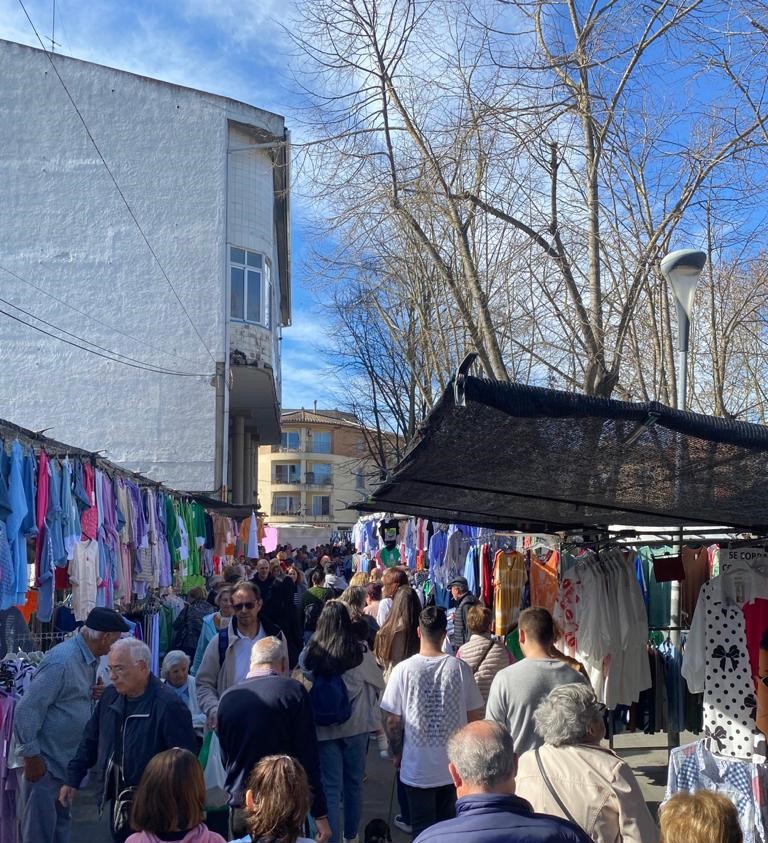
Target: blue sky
[(236, 48)]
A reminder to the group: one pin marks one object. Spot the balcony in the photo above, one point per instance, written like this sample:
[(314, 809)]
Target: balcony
[(312, 479)]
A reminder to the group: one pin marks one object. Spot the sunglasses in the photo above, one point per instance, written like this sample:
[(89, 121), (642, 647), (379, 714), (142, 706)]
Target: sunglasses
[(248, 605)]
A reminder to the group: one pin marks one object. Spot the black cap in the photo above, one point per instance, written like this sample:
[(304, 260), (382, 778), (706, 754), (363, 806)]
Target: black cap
[(461, 582), (106, 620)]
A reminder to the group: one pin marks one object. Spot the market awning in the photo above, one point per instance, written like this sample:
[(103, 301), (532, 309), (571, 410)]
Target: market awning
[(521, 457)]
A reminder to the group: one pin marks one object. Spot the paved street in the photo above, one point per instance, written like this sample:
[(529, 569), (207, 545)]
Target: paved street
[(646, 753)]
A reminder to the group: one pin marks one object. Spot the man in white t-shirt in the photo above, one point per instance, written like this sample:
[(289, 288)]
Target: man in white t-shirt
[(428, 697)]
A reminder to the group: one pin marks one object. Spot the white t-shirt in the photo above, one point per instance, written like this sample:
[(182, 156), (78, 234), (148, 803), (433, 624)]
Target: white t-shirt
[(433, 695), (243, 647), (385, 607)]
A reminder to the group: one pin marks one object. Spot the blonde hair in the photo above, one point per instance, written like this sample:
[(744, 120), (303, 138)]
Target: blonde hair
[(700, 817)]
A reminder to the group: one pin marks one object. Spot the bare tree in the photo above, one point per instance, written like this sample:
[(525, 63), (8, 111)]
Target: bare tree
[(511, 172)]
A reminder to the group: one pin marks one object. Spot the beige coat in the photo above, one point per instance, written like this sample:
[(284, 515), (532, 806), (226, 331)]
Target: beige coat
[(598, 788), (485, 662)]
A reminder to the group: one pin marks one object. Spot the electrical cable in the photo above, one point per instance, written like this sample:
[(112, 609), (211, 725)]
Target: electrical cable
[(94, 318), (128, 361), (117, 186)]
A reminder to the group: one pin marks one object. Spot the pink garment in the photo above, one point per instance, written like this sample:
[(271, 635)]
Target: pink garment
[(89, 520), (201, 834), (755, 626)]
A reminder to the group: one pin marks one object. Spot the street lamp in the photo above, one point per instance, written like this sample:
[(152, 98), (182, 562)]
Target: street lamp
[(682, 270)]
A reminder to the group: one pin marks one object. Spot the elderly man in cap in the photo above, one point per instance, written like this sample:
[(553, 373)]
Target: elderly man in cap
[(136, 718), (50, 719), (464, 600)]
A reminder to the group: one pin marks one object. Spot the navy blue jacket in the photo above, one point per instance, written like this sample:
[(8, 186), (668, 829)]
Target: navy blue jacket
[(498, 818), (268, 715), (161, 722)]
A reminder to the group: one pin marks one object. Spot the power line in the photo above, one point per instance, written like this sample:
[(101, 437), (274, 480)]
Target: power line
[(117, 186), (94, 318), (128, 361)]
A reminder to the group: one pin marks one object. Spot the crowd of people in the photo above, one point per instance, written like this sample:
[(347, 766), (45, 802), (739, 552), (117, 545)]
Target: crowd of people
[(295, 666)]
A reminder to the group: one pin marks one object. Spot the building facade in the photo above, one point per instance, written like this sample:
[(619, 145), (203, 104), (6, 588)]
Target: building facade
[(317, 471), (145, 273)]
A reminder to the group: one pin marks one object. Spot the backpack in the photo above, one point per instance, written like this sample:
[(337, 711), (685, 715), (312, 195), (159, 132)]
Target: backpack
[(330, 701), (313, 610)]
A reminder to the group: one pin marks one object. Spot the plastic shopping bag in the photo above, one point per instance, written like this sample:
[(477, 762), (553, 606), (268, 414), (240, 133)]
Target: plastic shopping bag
[(213, 772)]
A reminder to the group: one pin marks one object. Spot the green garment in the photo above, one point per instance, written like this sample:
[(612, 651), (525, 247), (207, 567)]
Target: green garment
[(389, 558), (172, 531), (513, 644), (659, 593)]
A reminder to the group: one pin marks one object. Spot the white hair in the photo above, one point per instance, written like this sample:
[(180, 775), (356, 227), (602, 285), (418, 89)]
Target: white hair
[(483, 755), (269, 650), (171, 660), (566, 713), (137, 651), (92, 634)]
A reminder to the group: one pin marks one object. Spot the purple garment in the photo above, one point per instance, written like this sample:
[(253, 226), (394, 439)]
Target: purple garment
[(8, 779), (140, 523), (165, 575)]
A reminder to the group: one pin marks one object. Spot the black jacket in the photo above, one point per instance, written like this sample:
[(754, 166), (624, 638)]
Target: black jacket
[(268, 715), (461, 633), (160, 721), (188, 624)]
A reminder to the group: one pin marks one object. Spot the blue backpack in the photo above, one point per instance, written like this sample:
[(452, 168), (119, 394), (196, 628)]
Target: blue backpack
[(330, 701)]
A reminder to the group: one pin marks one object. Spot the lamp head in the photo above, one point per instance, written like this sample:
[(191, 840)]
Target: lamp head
[(682, 270)]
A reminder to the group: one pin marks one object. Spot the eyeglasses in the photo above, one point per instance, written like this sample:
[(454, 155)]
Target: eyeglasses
[(117, 669), (248, 605)]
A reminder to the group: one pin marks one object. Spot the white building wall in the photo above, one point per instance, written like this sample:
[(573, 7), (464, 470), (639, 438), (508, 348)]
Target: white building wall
[(65, 229)]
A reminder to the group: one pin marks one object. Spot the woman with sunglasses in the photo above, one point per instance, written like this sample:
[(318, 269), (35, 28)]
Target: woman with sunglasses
[(573, 776)]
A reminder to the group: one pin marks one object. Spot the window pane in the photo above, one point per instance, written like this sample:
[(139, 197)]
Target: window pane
[(236, 255), (254, 297), (237, 283), (287, 473), (321, 505), (254, 259), (321, 442), (322, 472)]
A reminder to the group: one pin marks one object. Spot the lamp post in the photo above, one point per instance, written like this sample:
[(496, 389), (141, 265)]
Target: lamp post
[(682, 270)]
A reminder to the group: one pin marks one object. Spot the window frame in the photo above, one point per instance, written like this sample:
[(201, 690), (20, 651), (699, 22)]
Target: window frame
[(321, 514), (287, 497), (288, 433), (262, 267), (296, 478), (315, 434)]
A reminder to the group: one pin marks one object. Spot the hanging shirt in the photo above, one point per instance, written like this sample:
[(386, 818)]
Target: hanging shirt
[(693, 767), (509, 580), (83, 574), (716, 661), (544, 585)]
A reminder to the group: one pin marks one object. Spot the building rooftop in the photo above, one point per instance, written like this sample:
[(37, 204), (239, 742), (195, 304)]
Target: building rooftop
[(327, 417)]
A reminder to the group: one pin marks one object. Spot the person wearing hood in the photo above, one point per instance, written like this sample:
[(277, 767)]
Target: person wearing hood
[(169, 804)]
